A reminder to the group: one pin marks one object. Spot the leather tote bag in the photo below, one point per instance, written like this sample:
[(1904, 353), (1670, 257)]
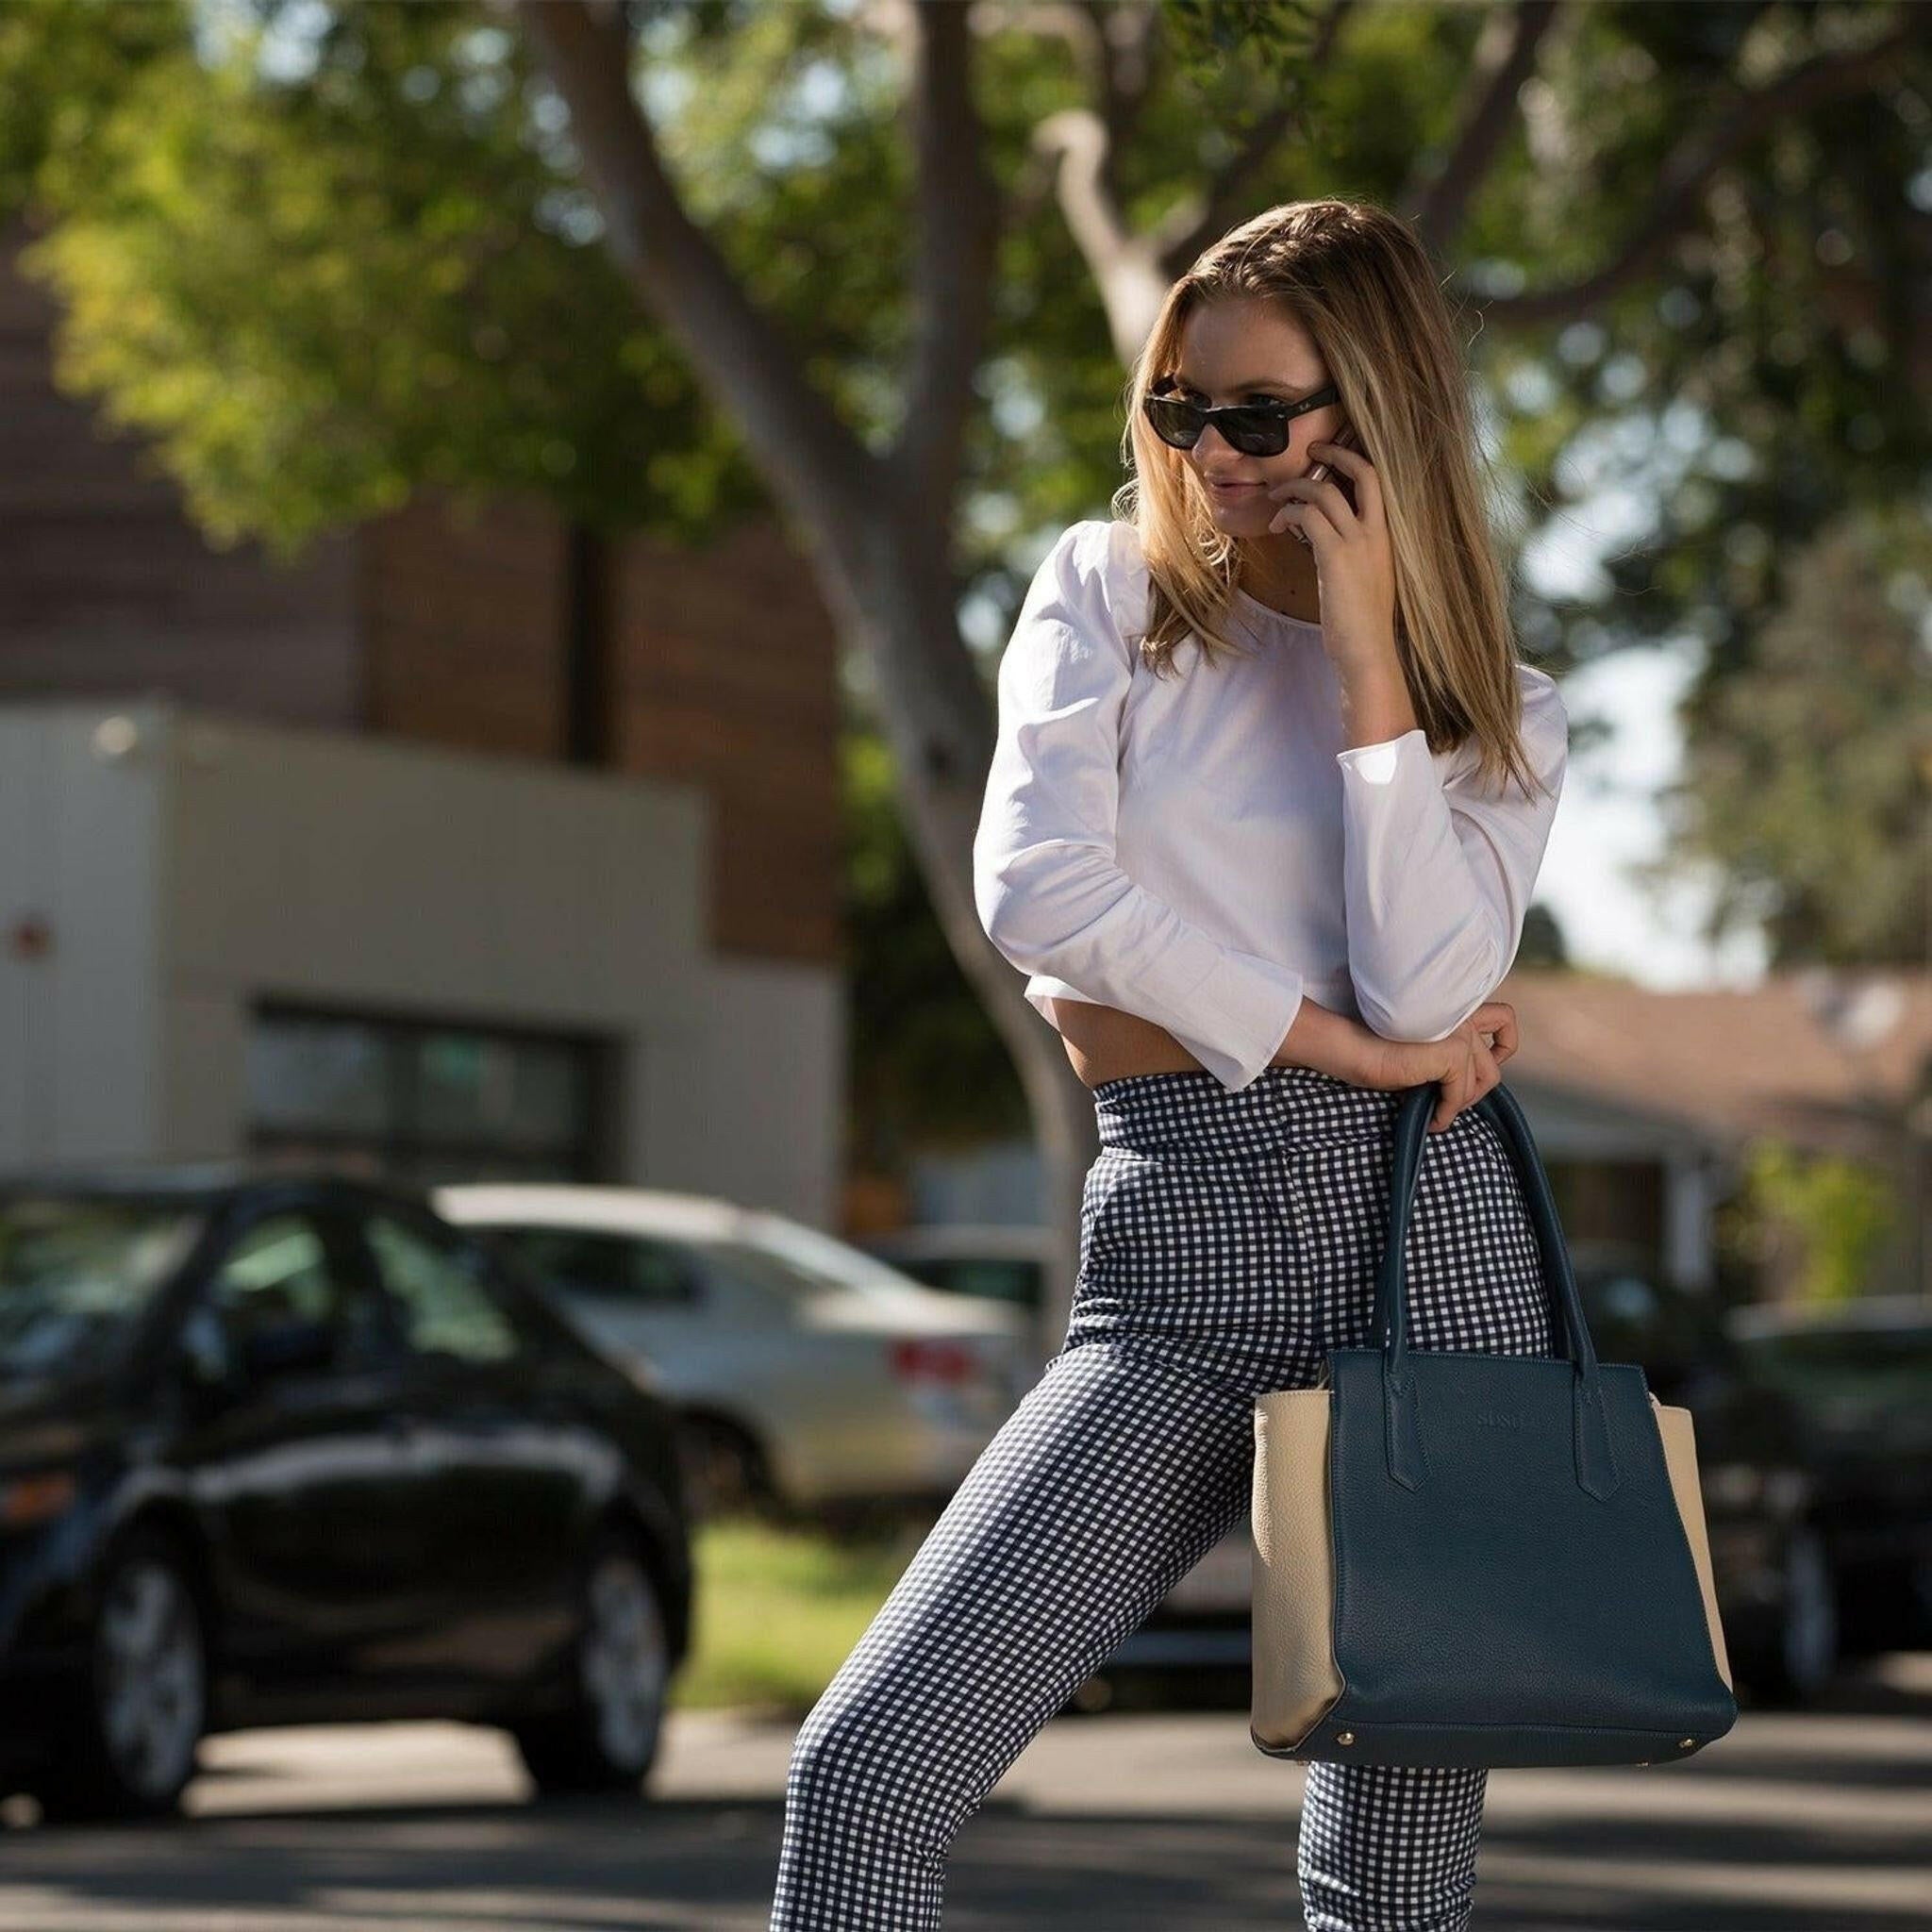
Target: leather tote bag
[(1465, 1558)]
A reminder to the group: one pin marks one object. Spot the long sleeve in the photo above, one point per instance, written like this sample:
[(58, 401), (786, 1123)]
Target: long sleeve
[(1437, 874), (1048, 889)]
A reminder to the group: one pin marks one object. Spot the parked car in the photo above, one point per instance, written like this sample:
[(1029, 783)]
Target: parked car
[(277, 1449), (1001, 1260), (807, 1376), (1859, 1376), (1783, 1547)]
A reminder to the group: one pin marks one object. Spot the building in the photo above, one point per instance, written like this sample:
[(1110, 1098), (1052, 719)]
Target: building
[(469, 844)]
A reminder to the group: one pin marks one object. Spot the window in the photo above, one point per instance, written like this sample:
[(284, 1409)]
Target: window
[(631, 1269), (425, 1101), (75, 1274), (446, 1307), (279, 1275)]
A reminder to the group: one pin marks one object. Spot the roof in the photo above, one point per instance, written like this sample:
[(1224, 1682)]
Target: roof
[(1825, 1057)]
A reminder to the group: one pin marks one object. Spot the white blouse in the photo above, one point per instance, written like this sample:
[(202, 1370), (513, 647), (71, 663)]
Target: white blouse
[(1204, 849)]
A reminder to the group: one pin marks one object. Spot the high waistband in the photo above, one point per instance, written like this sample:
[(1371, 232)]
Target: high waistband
[(1283, 1106)]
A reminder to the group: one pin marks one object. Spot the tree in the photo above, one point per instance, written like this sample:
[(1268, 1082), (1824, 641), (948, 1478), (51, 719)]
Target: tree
[(668, 268), (1808, 793)]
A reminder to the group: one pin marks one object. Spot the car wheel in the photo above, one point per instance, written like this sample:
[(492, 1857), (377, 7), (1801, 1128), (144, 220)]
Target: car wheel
[(1805, 1653), (147, 1695), (607, 1739)]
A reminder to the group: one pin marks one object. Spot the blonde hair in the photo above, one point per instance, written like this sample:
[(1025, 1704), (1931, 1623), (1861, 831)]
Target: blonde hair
[(1357, 280)]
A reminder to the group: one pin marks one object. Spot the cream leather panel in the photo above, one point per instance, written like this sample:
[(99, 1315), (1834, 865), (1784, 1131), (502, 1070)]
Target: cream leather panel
[(1680, 1458), (1295, 1677)]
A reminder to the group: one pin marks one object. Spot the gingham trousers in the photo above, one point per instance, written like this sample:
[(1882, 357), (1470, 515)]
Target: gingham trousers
[(1227, 1240)]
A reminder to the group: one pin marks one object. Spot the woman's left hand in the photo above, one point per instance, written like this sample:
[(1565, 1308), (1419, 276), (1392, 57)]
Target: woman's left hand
[(1355, 566)]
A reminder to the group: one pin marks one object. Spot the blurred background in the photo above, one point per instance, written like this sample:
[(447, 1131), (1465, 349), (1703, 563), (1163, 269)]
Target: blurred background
[(523, 1185)]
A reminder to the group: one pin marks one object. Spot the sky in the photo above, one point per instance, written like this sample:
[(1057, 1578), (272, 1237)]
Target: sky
[(1608, 818), (1613, 474)]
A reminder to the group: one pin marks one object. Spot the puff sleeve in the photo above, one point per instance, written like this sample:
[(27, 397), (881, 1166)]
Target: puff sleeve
[(1047, 887), (1437, 874)]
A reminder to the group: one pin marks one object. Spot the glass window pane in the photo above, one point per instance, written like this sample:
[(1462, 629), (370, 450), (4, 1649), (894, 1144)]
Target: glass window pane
[(519, 1094), (319, 1074), (277, 1271), (419, 1100), (445, 1309), (74, 1273)]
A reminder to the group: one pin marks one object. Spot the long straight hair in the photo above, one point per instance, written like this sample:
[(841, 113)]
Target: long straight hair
[(1361, 284)]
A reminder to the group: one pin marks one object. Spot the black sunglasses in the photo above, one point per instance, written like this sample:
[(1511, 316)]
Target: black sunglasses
[(1256, 430)]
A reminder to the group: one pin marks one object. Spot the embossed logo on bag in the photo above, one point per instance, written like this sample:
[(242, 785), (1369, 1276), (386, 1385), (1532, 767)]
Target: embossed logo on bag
[(1499, 1419)]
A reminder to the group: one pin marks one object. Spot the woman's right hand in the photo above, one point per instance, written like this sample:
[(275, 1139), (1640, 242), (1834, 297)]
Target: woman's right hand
[(1465, 1061)]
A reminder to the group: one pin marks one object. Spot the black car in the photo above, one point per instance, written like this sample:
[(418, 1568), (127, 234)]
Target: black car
[(1857, 1375), (279, 1449)]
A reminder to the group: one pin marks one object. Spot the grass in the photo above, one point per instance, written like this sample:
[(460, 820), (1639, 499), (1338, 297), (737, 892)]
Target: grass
[(777, 1610)]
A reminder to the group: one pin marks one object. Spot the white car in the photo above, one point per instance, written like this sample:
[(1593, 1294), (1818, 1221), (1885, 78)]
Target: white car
[(807, 1374)]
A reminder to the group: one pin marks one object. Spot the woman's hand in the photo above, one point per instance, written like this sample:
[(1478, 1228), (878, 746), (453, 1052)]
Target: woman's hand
[(1466, 1062), (1355, 563)]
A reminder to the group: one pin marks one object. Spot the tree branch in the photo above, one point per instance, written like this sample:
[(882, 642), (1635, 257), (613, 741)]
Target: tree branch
[(1437, 206), (677, 274), (1699, 156), (1193, 222), (958, 234)]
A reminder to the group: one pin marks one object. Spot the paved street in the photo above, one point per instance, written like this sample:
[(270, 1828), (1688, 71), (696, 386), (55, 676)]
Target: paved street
[(1819, 1822)]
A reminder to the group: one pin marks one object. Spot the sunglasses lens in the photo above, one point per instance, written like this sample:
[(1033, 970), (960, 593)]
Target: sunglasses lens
[(1256, 432), (1174, 422)]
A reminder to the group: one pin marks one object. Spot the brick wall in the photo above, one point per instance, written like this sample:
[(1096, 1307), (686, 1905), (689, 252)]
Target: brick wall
[(105, 586), (436, 622), (725, 676)]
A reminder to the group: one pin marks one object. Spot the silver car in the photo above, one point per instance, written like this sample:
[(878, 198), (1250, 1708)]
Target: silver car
[(807, 1374)]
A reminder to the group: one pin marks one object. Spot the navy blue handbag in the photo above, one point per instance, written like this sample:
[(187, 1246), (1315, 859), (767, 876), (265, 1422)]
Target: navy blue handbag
[(1464, 1559)]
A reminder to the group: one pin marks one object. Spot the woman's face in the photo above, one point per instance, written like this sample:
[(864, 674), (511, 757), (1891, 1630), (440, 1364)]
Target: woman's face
[(1237, 350)]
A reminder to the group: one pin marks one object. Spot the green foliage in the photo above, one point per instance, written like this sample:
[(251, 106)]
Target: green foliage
[(1809, 782), (1212, 41), (62, 68), (777, 1610), (315, 295), (1821, 1220)]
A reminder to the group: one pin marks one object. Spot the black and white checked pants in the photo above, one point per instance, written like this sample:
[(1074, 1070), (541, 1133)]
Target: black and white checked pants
[(1227, 1240)]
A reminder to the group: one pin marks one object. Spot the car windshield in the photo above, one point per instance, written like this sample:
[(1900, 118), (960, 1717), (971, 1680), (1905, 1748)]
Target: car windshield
[(74, 1273)]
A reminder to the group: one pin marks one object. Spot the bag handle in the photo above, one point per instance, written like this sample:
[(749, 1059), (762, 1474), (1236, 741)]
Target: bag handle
[(1596, 1469)]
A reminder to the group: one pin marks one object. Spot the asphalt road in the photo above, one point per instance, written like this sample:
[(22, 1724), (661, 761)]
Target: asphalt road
[(1820, 1821)]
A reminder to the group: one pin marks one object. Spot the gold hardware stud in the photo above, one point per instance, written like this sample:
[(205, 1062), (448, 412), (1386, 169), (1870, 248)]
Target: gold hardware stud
[(1685, 1743), (1344, 1736)]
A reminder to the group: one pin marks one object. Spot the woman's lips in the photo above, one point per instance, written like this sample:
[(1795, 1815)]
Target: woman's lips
[(1232, 489)]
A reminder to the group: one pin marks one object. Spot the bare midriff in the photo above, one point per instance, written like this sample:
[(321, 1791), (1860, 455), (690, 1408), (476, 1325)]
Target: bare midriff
[(1105, 1043)]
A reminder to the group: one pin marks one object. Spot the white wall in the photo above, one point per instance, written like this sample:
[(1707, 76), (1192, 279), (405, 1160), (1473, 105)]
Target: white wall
[(222, 859), (79, 1023)]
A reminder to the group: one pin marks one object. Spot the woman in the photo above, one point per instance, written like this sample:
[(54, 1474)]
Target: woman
[(1261, 825)]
